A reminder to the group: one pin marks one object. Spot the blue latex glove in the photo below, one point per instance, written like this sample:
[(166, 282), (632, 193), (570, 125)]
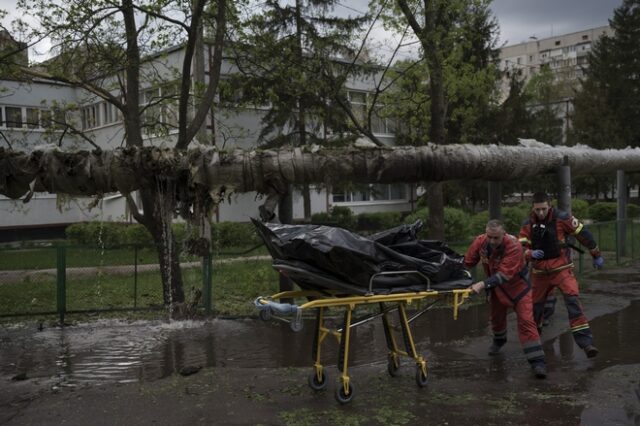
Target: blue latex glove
[(537, 254), (598, 262)]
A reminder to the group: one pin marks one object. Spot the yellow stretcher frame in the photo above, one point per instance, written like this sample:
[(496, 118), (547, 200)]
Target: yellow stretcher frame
[(321, 301)]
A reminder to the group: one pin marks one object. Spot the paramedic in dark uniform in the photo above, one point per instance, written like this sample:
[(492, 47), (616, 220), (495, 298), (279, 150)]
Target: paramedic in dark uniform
[(508, 286), (544, 237)]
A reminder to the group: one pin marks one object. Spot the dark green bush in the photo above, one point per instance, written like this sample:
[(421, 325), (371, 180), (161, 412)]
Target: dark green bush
[(579, 208), (457, 224), (342, 217), (513, 217), (233, 234), (338, 216), (321, 218), (375, 222), (479, 223), (633, 210), (137, 234), (96, 234), (422, 214), (602, 212)]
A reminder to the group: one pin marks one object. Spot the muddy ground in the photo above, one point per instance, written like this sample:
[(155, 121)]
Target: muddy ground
[(466, 387)]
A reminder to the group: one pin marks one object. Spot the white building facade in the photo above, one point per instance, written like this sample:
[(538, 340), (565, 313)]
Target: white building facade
[(32, 113)]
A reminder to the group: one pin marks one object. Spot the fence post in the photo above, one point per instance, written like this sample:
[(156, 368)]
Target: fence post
[(617, 241), (633, 244), (621, 216), (580, 263), (135, 276), (206, 282), (61, 282)]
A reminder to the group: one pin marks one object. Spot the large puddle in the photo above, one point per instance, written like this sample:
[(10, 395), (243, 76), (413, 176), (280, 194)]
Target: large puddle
[(112, 351)]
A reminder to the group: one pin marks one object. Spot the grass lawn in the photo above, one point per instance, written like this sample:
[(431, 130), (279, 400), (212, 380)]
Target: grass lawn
[(45, 257), (235, 286)]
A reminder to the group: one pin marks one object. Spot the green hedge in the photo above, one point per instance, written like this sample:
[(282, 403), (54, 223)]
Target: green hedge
[(479, 223), (579, 208), (233, 234), (375, 222), (114, 234), (513, 217), (457, 223), (338, 216), (604, 211)]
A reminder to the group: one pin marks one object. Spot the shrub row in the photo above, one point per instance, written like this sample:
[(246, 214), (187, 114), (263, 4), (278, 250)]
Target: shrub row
[(458, 225), (113, 234)]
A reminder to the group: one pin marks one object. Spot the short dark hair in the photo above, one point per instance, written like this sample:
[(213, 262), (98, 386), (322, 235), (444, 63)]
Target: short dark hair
[(495, 224), (540, 197)]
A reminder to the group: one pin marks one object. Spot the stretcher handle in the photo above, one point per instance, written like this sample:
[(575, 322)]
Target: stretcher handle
[(373, 277), (281, 308)]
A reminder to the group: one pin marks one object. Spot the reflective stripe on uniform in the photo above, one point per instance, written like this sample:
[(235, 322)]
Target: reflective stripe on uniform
[(533, 350)]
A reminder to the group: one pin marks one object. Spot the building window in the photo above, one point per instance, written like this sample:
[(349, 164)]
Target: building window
[(30, 117), (14, 117), (369, 193), (585, 37), (557, 42), (381, 122), (90, 116), (358, 102), (160, 109), (33, 118), (52, 118)]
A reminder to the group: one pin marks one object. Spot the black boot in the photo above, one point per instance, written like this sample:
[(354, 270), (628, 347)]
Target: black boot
[(494, 349), (539, 370), (591, 351)]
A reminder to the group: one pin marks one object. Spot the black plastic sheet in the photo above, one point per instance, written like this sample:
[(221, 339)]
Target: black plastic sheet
[(353, 259)]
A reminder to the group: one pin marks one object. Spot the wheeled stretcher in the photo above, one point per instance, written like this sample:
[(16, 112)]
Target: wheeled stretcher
[(323, 292)]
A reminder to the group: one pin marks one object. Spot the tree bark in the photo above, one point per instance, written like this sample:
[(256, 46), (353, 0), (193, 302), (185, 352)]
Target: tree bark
[(268, 171)]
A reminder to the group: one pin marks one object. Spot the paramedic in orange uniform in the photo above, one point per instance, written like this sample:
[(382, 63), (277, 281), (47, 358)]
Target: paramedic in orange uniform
[(508, 286), (544, 237)]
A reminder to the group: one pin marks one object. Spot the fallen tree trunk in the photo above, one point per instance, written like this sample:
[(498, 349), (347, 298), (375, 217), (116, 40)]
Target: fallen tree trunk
[(268, 171)]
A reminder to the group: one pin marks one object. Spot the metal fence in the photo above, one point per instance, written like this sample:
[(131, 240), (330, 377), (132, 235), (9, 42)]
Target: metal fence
[(63, 279)]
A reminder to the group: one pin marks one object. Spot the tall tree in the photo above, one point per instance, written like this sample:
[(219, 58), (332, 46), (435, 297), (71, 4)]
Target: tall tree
[(286, 52), (607, 107), (457, 40), (110, 49), (512, 118), (546, 103)]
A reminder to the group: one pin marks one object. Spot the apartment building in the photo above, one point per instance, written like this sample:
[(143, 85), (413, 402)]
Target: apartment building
[(36, 112), (565, 55)]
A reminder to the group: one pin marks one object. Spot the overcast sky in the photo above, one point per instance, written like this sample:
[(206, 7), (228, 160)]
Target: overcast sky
[(518, 19)]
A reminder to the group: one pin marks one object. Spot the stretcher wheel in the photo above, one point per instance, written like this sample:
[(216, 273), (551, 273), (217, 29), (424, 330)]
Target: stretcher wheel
[(422, 377), (315, 384), (341, 397), (265, 314), (393, 364)]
